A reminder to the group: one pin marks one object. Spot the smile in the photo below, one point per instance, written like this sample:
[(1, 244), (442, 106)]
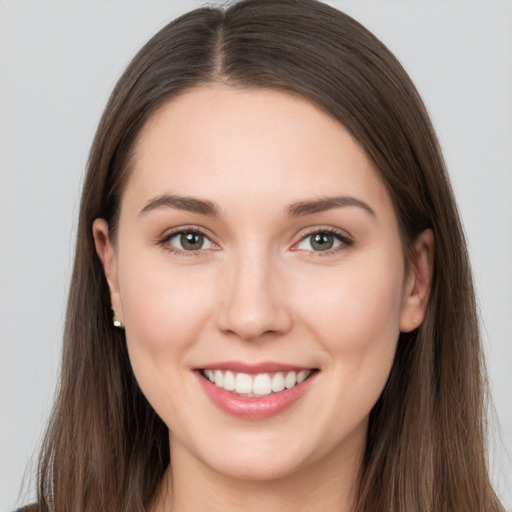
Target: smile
[(262, 384), (255, 391)]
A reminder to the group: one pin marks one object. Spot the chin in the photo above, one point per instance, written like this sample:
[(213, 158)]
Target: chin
[(267, 457), (258, 468)]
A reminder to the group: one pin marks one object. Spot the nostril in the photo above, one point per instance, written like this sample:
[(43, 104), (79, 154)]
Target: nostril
[(254, 322)]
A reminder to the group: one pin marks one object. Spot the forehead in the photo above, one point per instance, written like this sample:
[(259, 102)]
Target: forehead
[(222, 143)]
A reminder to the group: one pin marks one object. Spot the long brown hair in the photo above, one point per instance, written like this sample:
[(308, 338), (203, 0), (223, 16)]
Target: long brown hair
[(106, 449)]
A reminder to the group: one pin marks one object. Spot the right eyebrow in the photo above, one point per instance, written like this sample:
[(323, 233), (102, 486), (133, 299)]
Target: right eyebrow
[(189, 204), (302, 208)]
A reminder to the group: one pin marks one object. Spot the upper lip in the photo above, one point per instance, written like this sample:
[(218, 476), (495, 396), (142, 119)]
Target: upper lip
[(254, 368)]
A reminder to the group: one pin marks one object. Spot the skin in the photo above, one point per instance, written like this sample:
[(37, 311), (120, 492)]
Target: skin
[(260, 292)]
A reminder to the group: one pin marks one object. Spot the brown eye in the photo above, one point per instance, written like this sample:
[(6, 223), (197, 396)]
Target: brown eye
[(192, 241), (188, 241), (323, 241)]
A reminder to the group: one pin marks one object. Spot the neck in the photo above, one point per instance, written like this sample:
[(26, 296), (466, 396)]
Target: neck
[(323, 486)]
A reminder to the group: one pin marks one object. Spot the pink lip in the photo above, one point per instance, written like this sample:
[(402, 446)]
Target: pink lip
[(253, 408), (252, 368)]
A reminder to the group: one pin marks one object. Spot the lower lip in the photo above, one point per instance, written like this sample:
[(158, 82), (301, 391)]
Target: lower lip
[(254, 408)]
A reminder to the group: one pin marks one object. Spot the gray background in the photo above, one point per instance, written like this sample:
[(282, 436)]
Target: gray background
[(58, 63)]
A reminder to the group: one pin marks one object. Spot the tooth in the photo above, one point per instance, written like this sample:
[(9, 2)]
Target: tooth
[(278, 382), (302, 376), (229, 381), (262, 384), (290, 380), (218, 378), (210, 375), (243, 383)]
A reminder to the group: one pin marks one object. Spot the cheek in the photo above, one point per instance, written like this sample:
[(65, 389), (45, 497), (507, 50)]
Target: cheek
[(357, 324), (356, 298), (164, 307), (357, 320), (165, 310)]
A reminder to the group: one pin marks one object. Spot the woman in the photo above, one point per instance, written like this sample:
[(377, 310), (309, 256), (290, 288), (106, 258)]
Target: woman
[(267, 213)]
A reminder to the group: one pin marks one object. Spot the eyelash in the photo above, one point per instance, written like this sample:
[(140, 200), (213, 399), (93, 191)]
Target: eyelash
[(164, 242), (339, 235)]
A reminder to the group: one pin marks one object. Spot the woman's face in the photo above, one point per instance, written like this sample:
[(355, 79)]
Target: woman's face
[(257, 247)]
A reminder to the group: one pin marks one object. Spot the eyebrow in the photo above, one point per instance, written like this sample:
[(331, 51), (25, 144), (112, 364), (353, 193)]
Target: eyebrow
[(189, 204), (209, 208), (303, 208)]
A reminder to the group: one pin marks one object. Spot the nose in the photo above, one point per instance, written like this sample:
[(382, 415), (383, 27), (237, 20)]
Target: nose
[(253, 301)]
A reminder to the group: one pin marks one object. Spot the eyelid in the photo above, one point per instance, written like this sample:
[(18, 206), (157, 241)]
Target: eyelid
[(346, 239), (168, 235)]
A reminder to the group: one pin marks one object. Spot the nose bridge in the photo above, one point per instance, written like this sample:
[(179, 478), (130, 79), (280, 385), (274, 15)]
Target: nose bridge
[(253, 302)]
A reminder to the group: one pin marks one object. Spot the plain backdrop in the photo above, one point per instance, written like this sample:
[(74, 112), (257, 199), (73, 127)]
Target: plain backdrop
[(58, 64)]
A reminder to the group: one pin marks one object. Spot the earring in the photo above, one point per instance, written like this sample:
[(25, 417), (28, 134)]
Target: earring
[(115, 321)]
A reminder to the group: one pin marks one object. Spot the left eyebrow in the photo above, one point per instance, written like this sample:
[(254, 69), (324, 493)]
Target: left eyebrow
[(190, 204), (302, 208)]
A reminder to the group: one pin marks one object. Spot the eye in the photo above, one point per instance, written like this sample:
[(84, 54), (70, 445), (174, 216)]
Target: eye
[(187, 241), (323, 241)]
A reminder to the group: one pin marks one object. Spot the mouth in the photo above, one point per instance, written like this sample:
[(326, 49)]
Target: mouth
[(259, 385), (253, 393)]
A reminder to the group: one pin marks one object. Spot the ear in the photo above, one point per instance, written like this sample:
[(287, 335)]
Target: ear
[(107, 255), (418, 282)]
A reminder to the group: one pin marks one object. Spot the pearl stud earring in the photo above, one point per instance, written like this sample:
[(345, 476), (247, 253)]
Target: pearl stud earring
[(115, 321)]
